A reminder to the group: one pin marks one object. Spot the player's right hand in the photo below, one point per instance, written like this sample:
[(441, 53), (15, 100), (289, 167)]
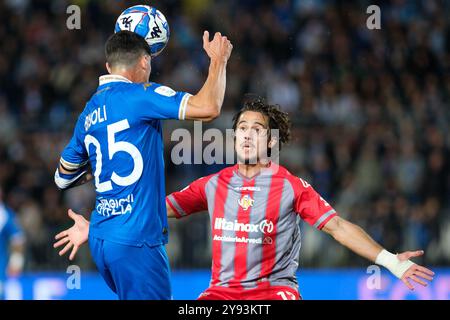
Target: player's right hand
[(75, 236), (219, 48)]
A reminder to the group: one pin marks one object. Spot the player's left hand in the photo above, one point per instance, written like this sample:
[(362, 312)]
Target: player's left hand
[(415, 272), (75, 236)]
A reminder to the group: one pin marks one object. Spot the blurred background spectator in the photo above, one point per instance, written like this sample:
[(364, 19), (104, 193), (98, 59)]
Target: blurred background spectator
[(370, 112), (12, 243)]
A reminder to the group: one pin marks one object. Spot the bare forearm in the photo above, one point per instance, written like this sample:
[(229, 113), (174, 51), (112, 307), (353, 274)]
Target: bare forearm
[(356, 239), (210, 98), (207, 103), (214, 88)]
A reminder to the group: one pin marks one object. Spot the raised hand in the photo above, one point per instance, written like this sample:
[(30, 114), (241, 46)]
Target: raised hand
[(75, 236), (416, 272), (219, 48)]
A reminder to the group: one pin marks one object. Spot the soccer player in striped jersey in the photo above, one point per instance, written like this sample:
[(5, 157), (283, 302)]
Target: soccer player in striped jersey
[(255, 208)]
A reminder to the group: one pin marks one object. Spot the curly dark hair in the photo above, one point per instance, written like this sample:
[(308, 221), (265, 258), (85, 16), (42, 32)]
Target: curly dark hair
[(277, 119)]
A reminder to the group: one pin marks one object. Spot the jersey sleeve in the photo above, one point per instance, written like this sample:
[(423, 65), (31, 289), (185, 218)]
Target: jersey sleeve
[(155, 102), (189, 200), (310, 205), (74, 155)]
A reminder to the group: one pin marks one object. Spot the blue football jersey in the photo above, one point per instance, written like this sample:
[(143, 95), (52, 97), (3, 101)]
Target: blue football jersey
[(120, 134), (9, 230)]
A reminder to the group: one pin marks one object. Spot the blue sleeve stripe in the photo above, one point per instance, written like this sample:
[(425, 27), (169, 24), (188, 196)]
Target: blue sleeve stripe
[(65, 181), (68, 176)]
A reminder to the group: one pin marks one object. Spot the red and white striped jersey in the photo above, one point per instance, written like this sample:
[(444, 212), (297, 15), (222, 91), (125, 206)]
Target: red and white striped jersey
[(254, 223)]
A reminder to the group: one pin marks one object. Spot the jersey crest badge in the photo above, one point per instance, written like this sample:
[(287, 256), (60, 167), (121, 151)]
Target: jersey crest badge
[(146, 85), (246, 202)]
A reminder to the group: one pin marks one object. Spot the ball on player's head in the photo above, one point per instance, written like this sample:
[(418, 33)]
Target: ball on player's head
[(147, 22)]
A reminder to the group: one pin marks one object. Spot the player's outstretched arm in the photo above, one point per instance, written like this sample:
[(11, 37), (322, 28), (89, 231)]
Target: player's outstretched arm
[(357, 240), (75, 236), (207, 103)]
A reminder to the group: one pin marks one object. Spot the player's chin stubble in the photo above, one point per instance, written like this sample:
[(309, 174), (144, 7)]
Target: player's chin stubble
[(242, 159)]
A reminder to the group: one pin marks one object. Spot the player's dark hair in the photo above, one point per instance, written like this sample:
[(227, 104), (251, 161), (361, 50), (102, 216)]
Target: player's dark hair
[(277, 119), (125, 48)]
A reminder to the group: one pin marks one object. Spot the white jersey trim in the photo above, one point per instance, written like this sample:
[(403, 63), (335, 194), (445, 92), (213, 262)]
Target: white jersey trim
[(108, 78), (183, 106)]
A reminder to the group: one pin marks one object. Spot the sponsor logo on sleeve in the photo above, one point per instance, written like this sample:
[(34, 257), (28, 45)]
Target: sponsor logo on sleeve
[(165, 91)]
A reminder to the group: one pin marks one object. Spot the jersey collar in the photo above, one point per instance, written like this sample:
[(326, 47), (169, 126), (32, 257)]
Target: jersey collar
[(271, 169), (108, 78)]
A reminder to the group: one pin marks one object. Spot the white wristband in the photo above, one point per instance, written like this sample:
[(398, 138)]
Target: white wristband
[(392, 263)]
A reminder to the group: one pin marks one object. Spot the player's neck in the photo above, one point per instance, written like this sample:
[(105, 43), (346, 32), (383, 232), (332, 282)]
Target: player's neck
[(249, 171), (129, 74)]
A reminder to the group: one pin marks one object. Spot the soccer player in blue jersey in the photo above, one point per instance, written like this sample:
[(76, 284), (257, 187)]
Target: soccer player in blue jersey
[(12, 243), (118, 137)]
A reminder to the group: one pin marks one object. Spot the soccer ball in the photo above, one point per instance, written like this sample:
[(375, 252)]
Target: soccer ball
[(147, 22)]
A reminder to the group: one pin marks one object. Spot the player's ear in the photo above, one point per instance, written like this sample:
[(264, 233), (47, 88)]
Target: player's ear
[(145, 61), (108, 67)]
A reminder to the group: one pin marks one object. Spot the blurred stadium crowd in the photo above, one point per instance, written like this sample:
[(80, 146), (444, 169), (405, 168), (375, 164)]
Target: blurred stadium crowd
[(370, 112)]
